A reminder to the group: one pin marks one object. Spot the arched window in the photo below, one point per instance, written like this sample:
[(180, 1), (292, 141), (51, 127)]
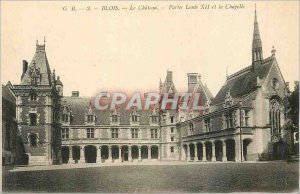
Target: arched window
[(275, 116)]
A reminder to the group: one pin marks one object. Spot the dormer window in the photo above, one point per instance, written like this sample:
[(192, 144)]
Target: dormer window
[(134, 118), (154, 119), (228, 100), (66, 113), (33, 96), (191, 128), (65, 117), (114, 118), (90, 118), (228, 120), (207, 125)]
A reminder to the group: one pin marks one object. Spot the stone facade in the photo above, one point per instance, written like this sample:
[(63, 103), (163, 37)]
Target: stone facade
[(246, 120), (12, 145), (37, 109)]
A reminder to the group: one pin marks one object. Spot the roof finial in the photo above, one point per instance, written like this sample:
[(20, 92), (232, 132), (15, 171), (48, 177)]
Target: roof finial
[(36, 42), (44, 40), (273, 51)]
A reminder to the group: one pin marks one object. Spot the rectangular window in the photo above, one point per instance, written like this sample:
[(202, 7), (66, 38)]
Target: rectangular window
[(191, 125), (65, 117), (229, 123), (172, 119), (172, 129), (154, 134), (65, 133), (114, 133), (33, 96), (172, 149), (134, 118), (90, 132), (134, 133), (90, 118), (246, 118), (33, 119), (114, 118), (154, 119), (33, 139), (207, 125), (172, 138)]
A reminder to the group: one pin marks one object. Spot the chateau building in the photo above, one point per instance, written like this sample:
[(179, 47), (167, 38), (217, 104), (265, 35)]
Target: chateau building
[(246, 120), (38, 109)]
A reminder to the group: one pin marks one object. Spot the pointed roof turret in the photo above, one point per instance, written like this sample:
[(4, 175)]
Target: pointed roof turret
[(38, 65)]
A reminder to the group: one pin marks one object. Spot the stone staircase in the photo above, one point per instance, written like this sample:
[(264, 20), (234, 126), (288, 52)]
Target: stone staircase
[(37, 160), (37, 156), (293, 157)]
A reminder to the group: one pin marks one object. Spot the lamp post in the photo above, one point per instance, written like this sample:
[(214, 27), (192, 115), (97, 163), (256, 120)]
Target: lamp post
[(241, 141)]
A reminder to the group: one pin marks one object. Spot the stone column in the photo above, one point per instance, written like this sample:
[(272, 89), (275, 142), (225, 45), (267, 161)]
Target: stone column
[(196, 152), (99, 159), (183, 154), (109, 154), (188, 155), (120, 153), (140, 153), (149, 152), (160, 153), (70, 155), (237, 150), (213, 147), (204, 153), (224, 158), (129, 154), (82, 159)]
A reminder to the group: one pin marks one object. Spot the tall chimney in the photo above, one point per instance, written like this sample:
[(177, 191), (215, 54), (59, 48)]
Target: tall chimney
[(169, 76), (25, 67), (75, 94), (192, 81)]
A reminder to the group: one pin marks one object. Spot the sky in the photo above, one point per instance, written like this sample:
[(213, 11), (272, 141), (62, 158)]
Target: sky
[(97, 50)]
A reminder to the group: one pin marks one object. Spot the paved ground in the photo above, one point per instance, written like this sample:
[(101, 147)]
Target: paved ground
[(159, 177)]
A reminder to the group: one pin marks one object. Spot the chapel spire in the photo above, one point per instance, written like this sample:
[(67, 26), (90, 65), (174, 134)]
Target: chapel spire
[(257, 54)]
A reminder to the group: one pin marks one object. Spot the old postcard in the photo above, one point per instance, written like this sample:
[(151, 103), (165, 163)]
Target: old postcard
[(150, 96)]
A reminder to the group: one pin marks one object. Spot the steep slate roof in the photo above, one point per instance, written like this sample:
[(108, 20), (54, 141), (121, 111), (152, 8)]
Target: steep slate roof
[(244, 81), (41, 62), (79, 107)]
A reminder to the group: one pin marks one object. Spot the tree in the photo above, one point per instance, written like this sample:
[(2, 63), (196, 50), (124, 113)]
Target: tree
[(294, 110)]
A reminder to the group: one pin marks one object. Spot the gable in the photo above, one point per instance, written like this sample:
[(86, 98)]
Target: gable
[(275, 74)]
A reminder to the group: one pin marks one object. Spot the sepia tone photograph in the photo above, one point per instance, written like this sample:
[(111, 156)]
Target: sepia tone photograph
[(149, 96)]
